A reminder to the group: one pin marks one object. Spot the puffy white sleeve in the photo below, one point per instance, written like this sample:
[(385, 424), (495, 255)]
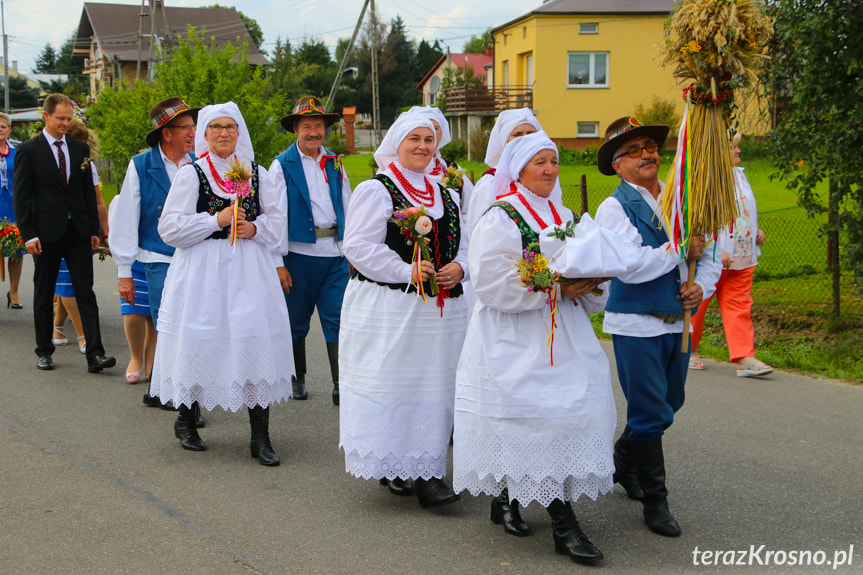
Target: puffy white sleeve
[(365, 234), (270, 222), (181, 225), (495, 248), (124, 214)]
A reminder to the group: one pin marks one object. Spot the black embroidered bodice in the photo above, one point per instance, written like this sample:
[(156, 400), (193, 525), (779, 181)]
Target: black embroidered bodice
[(212, 204)]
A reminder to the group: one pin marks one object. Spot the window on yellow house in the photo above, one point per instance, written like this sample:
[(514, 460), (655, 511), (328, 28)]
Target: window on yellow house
[(588, 70), (588, 130), (588, 28)]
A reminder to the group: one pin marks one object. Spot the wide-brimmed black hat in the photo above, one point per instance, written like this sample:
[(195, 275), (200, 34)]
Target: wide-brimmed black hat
[(618, 133), (304, 108), (164, 112)]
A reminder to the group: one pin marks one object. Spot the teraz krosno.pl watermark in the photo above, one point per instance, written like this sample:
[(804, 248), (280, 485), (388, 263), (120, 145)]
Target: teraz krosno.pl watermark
[(770, 557)]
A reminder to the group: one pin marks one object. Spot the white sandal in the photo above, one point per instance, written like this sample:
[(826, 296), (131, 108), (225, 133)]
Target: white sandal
[(82, 347), (62, 339), (753, 368)]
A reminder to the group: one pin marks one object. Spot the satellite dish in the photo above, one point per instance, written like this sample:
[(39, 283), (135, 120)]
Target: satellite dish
[(434, 85)]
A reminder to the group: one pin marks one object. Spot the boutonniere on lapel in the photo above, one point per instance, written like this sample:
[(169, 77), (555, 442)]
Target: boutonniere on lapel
[(85, 164)]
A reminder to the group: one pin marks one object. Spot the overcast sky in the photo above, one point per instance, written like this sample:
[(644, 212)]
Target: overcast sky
[(32, 24)]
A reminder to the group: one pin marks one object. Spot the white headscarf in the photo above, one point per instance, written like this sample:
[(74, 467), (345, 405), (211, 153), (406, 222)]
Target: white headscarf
[(515, 157), (207, 114), (507, 121), (434, 113), (406, 123)]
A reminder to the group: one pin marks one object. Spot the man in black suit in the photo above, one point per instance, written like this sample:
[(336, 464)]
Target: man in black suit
[(55, 208)]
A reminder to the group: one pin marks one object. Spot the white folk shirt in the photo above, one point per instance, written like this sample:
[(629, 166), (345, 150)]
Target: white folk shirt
[(661, 260), (125, 214), (323, 212)]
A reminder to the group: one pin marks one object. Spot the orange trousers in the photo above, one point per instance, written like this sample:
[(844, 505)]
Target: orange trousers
[(734, 296)]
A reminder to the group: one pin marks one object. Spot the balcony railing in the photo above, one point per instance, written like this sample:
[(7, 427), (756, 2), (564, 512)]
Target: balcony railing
[(483, 99)]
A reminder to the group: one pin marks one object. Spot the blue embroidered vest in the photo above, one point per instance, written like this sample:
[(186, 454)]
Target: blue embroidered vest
[(301, 224), (658, 295)]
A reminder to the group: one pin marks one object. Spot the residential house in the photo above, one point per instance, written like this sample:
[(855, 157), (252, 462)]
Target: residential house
[(430, 85), (118, 41), (588, 62)]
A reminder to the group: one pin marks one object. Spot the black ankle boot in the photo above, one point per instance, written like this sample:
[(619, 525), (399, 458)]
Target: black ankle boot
[(624, 467), (333, 355), (434, 492), (505, 513), (650, 466), (398, 486), (299, 381), (569, 539), (259, 418), (199, 419), (185, 430)]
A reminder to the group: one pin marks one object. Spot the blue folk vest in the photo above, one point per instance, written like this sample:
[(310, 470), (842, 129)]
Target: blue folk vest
[(154, 184), (301, 224), (658, 295)]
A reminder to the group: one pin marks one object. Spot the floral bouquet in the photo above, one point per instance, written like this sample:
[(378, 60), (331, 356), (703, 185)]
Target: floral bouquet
[(538, 277), (237, 181), (453, 178), (11, 245), (415, 225)]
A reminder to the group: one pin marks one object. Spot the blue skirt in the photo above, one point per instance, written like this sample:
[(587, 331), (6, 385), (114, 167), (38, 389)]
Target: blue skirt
[(142, 298), (64, 282)]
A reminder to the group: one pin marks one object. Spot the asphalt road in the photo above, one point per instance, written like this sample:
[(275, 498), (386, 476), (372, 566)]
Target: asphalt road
[(91, 481)]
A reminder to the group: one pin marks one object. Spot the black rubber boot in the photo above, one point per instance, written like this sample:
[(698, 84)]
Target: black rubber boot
[(259, 418), (650, 466), (505, 513), (624, 467), (186, 431), (569, 539), (333, 355)]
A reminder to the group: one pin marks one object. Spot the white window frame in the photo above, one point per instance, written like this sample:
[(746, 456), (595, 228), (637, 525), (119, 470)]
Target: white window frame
[(591, 70), (593, 134), (588, 28)]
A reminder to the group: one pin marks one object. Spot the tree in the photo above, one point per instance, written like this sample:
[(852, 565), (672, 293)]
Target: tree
[(313, 60), (20, 94), (457, 77), (201, 73), (428, 55), (46, 61), (815, 71), (285, 77), (661, 112), (399, 72), (252, 26), (479, 44)]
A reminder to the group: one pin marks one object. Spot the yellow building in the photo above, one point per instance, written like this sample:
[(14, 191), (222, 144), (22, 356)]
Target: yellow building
[(587, 63)]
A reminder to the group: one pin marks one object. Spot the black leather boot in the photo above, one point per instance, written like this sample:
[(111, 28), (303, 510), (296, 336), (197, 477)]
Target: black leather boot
[(650, 466), (434, 492), (259, 418), (333, 355), (185, 430), (398, 486), (199, 419), (505, 513), (624, 467), (299, 381), (569, 539)]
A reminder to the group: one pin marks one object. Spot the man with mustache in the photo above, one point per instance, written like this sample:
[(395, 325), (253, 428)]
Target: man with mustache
[(315, 271), (644, 313)]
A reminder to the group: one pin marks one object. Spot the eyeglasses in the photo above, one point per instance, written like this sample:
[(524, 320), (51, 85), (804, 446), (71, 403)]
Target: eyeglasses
[(634, 151), (185, 127), (217, 128)]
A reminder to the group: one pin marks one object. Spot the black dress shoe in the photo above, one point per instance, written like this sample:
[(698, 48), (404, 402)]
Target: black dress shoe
[(434, 492), (45, 362), (99, 362), (398, 486)]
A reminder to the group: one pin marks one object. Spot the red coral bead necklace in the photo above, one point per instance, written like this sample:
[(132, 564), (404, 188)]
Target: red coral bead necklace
[(425, 198)]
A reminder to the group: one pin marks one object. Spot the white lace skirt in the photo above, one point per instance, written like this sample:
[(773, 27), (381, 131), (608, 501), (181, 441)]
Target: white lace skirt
[(224, 335), (397, 365)]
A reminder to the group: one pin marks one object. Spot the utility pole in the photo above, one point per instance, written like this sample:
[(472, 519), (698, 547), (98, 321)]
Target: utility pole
[(376, 105), (5, 61), (329, 105), (152, 53), (168, 39), (141, 17)]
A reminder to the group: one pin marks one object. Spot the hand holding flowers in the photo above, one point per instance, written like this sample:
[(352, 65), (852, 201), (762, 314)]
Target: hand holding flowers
[(415, 225)]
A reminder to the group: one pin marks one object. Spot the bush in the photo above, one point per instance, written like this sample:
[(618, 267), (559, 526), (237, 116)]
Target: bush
[(661, 112), (337, 144), (754, 149), (454, 151), (572, 157)]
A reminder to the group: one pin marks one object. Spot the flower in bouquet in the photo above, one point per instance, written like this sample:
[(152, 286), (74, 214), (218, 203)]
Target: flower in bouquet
[(11, 245), (534, 271), (453, 178), (238, 178), (415, 225)]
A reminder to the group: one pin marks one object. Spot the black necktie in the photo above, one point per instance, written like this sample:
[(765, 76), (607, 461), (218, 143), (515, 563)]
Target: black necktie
[(61, 158)]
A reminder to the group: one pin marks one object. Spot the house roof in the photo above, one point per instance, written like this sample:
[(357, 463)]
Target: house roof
[(478, 62), (115, 27), (573, 7)]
